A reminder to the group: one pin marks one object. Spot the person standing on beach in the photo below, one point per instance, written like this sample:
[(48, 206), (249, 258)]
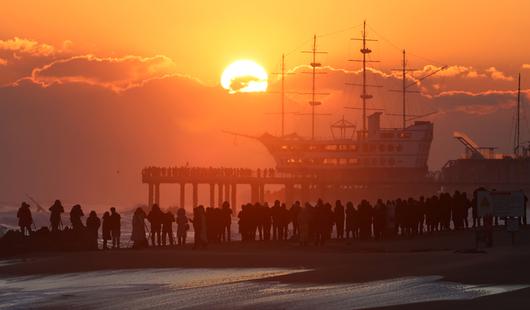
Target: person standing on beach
[(227, 221), (92, 225), (276, 220), (138, 229), (155, 218), (106, 228), (339, 219), (266, 220), (25, 220), (199, 227), (294, 212), (167, 227), (75, 218), (304, 219), (182, 226), (350, 214), (115, 229), (55, 214)]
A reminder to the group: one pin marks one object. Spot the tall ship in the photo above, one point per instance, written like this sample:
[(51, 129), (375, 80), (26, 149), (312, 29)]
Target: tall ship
[(369, 153)]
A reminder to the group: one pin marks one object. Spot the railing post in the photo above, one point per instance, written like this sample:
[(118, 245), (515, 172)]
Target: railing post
[(220, 195), (150, 195), (227, 192), (157, 194), (262, 193), (212, 195)]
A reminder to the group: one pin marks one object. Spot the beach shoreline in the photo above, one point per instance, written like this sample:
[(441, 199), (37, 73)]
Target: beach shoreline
[(448, 255)]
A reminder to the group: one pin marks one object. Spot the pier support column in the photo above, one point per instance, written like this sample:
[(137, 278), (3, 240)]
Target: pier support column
[(234, 199), (212, 195), (157, 194), (289, 194), (182, 195), (262, 193), (220, 192), (195, 195), (227, 192), (254, 193), (150, 195)]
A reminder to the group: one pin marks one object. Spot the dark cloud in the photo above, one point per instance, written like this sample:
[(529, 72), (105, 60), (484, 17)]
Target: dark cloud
[(241, 82), (116, 73), (18, 57)]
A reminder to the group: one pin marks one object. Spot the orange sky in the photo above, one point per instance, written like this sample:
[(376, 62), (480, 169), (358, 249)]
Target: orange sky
[(202, 37), (90, 93)]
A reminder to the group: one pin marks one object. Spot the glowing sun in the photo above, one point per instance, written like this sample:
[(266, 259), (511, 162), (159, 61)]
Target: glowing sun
[(244, 76)]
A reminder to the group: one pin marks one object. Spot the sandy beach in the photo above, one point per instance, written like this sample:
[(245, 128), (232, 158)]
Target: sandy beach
[(438, 272)]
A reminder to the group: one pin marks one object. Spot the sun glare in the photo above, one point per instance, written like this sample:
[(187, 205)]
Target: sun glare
[(244, 76)]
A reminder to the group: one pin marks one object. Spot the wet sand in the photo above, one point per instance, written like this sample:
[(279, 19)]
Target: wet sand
[(444, 255)]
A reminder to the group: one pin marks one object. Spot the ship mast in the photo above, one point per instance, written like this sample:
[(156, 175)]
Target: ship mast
[(364, 51), (517, 137), (314, 65), (404, 88), (283, 95)]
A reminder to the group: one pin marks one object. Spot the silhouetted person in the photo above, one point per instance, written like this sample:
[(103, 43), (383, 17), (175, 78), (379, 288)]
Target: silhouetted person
[(321, 223), (155, 218), (284, 221), (379, 219), (276, 214), (105, 229), (294, 212), (304, 220), (92, 225), (266, 221), (182, 226), (75, 218), (138, 229), (115, 230), (339, 219), (227, 221), (199, 227), (167, 227), (365, 218), (350, 215), (55, 215), (25, 220)]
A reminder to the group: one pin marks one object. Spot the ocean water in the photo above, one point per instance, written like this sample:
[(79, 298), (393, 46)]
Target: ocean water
[(243, 288)]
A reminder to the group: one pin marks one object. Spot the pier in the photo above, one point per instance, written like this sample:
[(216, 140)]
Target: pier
[(223, 185)]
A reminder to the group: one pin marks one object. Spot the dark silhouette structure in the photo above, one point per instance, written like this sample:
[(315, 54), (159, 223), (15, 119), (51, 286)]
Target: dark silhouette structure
[(115, 228)]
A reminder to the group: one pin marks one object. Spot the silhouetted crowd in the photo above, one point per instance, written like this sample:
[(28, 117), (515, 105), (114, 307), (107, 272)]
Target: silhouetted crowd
[(79, 235), (307, 223), (161, 227), (197, 171), (207, 172), (382, 220)]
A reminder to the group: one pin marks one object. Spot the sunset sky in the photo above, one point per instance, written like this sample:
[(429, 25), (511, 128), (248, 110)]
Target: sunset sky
[(93, 91)]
